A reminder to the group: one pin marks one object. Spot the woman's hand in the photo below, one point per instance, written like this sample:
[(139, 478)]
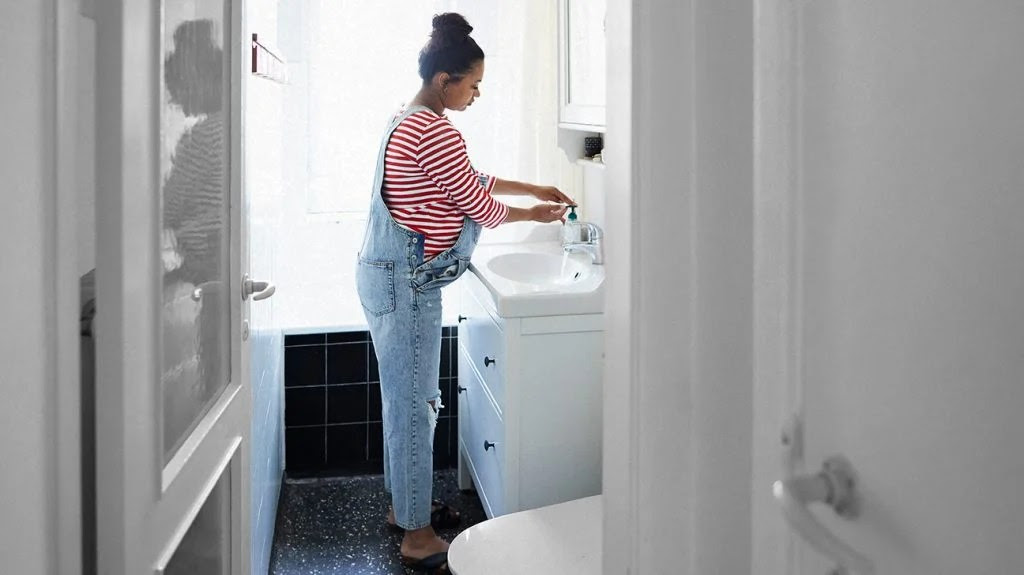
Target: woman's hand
[(551, 194), (545, 213), (542, 213)]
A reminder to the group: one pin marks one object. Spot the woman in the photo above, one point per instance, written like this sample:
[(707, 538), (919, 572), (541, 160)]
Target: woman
[(427, 209)]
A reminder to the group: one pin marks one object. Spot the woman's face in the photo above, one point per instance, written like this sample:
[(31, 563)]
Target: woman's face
[(459, 94)]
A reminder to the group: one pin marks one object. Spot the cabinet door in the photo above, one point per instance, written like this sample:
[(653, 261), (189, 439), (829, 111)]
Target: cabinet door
[(581, 58)]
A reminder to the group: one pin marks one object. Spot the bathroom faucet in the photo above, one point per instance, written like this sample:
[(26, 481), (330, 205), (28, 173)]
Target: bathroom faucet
[(587, 240)]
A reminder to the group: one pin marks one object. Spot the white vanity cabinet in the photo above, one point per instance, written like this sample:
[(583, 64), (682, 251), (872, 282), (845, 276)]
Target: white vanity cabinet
[(530, 404)]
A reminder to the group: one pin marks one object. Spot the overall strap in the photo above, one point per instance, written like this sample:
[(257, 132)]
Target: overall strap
[(378, 180)]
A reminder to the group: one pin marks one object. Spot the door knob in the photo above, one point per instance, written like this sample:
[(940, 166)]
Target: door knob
[(461, 389), (834, 485), (488, 445), (257, 289), (205, 289), (488, 361)]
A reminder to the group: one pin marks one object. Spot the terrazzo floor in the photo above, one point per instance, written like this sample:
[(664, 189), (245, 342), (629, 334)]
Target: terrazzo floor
[(337, 526)]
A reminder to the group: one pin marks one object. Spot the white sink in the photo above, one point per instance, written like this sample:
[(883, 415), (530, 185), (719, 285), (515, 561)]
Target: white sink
[(539, 269), (537, 279)]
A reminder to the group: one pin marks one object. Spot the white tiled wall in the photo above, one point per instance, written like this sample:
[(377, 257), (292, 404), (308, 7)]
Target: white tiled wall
[(263, 117)]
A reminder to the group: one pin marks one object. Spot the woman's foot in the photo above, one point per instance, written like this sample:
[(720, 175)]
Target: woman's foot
[(422, 547)]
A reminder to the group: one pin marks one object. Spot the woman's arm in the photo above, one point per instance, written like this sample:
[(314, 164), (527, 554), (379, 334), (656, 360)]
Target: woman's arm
[(441, 154), (543, 193), (512, 188)]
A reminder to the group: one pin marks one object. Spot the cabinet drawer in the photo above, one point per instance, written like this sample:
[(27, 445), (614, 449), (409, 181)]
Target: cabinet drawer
[(479, 423), (484, 342)]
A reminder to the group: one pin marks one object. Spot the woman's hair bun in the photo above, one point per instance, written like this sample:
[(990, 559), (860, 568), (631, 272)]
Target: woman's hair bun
[(450, 49), (451, 24)]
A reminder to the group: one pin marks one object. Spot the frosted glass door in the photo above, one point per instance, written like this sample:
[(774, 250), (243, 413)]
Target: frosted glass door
[(195, 234)]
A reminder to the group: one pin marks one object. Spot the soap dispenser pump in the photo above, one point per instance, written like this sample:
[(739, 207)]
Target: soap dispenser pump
[(571, 229)]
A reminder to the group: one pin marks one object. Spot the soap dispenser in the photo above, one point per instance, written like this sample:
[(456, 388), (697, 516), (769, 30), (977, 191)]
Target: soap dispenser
[(571, 229)]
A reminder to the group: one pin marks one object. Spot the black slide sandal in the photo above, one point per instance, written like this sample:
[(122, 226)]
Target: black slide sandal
[(442, 516), (435, 562)]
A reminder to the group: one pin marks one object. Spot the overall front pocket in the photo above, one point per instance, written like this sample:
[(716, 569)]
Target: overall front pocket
[(440, 276), (375, 284)]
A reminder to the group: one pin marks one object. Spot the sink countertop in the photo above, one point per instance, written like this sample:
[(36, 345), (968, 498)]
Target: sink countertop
[(522, 299)]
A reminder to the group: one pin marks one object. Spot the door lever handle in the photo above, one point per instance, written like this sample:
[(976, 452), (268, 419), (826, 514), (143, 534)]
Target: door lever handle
[(835, 486), (257, 289)]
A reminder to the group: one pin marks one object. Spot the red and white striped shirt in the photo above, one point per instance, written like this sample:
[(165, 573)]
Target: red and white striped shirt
[(429, 184)]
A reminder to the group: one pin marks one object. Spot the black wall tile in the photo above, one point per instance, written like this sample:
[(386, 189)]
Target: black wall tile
[(446, 357), (348, 336), (305, 406), (455, 357), (347, 363), (304, 448), (346, 444), (304, 365), (374, 404), (442, 459), (303, 339), (347, 403), (446, 395), (453, 397), (327, 377), (374, 374), (375, 441), (453, 442)]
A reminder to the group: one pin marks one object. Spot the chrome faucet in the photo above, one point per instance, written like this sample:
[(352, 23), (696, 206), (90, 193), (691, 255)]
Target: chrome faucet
[(586, 238)]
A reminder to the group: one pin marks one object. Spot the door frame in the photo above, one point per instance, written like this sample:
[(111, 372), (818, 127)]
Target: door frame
[(649, 362), (679, 306), (778, 272), (67, 309)]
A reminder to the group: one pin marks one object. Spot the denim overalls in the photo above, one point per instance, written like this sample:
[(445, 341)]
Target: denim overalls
[(401, 298)]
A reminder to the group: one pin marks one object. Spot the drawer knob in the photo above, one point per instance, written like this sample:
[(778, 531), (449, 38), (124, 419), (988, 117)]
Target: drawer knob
[(488, 361), (488, 445), (461, 389), (462, 318)]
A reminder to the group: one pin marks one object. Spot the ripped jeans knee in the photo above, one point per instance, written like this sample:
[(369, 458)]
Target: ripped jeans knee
[(434, 407)]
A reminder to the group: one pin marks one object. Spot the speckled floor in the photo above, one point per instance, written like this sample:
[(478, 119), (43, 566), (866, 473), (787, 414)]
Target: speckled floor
[(337, 526)]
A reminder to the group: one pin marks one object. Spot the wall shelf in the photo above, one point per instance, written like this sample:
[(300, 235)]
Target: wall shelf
[(268, 62)]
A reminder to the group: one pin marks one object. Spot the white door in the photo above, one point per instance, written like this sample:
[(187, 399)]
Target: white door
[(173, 417), (890, 282)]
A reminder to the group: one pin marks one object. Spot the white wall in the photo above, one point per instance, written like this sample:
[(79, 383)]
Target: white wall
[(264, 185), (679, 253), (27, 354)]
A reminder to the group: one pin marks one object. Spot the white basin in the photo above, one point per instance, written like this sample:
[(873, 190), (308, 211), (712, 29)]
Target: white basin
[(529, 279), (539, 269)]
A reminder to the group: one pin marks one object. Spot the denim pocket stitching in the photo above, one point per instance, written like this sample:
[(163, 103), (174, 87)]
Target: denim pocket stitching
[(390, 304)]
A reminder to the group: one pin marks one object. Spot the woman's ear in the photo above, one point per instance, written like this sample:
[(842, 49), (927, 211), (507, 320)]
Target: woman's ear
[(441, 80)]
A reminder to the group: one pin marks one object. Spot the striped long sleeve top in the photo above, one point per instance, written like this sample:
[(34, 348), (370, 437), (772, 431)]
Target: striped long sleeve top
[(430, 185)]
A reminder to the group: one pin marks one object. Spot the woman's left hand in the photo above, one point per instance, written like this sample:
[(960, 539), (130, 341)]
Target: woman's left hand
[(551, 194)]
